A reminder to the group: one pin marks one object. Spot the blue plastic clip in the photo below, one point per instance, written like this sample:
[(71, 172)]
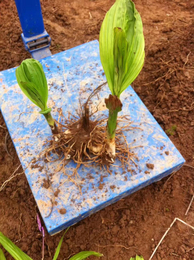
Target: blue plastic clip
[(36, 39), (38, 46)]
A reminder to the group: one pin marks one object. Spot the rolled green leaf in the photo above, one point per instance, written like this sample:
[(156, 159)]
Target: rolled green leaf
[(121, 45), (12, 249), (84, 254), (122, 57), (32, 81)]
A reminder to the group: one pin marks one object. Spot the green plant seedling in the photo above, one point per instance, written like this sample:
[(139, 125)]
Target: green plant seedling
[(85, 254), (32, 81), (18, 254), (79, 256), (59, 245), (12, 249), (172, 130), (137, 258), (122, 57)]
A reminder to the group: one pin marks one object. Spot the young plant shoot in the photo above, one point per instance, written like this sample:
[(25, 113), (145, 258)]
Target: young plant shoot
[(18, 254), (122, 57), (32, 81), (137, 258)]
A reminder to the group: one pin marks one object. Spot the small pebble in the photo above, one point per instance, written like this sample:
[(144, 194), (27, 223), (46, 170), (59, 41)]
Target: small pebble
[(150, 166)]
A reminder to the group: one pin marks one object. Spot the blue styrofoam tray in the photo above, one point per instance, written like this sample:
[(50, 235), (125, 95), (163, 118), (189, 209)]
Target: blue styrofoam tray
[(72, 75)]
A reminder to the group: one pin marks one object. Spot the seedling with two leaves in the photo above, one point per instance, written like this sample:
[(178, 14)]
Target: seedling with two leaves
[(32, 81), (18, 254)]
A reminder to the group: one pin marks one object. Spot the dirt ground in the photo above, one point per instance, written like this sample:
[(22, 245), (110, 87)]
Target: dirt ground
[(133, 225)]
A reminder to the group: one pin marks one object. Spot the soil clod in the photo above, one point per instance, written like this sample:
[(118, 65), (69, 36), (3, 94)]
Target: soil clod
[(62, 211), (150, 166)]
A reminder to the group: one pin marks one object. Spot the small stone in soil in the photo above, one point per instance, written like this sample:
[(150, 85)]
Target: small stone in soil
[(167, 152)]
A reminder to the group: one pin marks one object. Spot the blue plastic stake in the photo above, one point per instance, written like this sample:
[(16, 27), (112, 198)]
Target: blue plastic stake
[(34, 36)]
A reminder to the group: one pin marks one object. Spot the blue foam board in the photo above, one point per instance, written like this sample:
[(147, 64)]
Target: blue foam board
[(72, 75)]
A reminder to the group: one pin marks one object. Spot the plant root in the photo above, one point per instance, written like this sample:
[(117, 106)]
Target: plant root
[(89, 145), (176, 219), (6, 148), (13, 175)]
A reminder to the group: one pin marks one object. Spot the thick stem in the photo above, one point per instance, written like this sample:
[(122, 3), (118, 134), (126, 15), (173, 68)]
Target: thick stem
[(114, 105), (51, 123), (111, 147)]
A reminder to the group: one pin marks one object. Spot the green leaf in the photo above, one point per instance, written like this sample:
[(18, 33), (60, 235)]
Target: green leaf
[(59, 245), (84, 254), (121, 45), (137, 258), (32, 81), (2, 256), (12, 249), (33, 94)]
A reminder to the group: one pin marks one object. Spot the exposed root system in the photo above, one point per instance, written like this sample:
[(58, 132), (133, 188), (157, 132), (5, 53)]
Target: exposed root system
[(85, 141), (89, 145)]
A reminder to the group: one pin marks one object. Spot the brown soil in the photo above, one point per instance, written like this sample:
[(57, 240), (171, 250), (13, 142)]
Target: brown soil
[(134, 224)]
